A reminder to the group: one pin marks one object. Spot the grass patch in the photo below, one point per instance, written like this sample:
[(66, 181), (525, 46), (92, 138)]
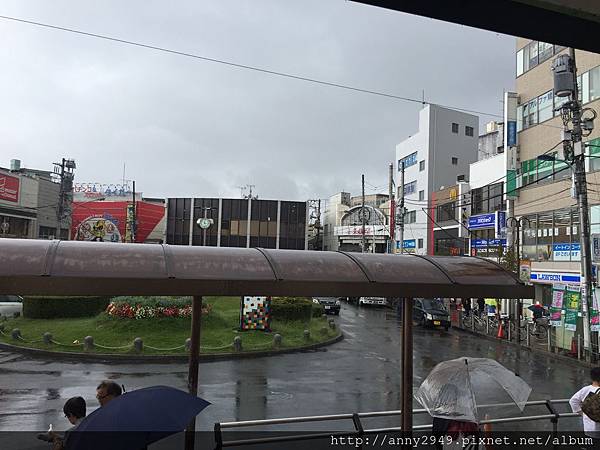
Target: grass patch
[(218, 330)]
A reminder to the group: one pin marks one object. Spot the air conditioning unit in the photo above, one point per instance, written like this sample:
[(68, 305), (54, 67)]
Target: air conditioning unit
[(461, 178)]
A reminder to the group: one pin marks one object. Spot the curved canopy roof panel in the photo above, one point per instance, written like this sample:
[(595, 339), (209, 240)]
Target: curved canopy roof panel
[(572, 23), (38, 267)]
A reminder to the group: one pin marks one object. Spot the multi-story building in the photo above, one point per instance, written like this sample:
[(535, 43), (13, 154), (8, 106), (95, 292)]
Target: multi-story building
[(342, 223), (29, 204), (238, 223), (442, 149)]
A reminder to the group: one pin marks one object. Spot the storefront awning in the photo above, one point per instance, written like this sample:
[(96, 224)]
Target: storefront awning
[(37, 267)]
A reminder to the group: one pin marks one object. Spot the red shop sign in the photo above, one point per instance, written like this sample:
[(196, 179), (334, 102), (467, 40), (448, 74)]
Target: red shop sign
[(9, 188)]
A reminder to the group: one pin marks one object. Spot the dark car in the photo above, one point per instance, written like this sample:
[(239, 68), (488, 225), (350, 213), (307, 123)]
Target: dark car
[(331, 305), (431, 312)]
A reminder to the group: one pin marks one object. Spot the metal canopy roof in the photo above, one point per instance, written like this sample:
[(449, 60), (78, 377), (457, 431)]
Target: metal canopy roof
[(38, 267), (572, 23)]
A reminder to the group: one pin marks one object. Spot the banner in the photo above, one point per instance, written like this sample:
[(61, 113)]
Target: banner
[(558, 292), (595, 314), (571, 301)]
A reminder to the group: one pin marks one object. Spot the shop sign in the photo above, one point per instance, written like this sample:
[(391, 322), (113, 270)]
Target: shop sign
[(9, 188), (566, 252), (554, 277), (525, 270), (482, 221), (485, 243), (408, 243)]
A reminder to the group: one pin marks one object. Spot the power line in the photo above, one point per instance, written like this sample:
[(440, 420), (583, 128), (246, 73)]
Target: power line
[(246, 66)]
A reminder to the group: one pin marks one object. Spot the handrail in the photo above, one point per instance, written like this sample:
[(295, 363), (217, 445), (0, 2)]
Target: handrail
[(358, 431)]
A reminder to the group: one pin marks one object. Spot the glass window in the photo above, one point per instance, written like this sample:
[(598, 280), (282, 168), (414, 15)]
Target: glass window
[(529, 239), (530, 117), (545, 52), (585, 87), (593, 150), (526, 66), (477, 201), (562, 234), (519, 118), (410, 188), (420, 243), (421, 195), (533, 54), (545, 105), (421, 166), (520, 62), (454, 161), (454, 127), (594, 84), (545, 225), (495, 198), (410, 217), (469, 131)]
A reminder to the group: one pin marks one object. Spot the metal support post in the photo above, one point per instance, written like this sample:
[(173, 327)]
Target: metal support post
[(528, 336), (407, 366), (401, 213), (193, 369), (392, 219), (363, 216)]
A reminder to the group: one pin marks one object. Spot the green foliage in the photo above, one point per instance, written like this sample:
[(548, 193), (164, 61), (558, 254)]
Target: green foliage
[(153, 302), (508, 259), (317, 310), (292, 308), (46, 307)]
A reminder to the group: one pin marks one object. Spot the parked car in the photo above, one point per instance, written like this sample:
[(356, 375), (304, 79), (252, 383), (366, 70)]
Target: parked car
[(379, 301), (10, 304), (331, 305), (431, 312)]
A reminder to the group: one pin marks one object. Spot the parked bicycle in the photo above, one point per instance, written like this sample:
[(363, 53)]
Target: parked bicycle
[(538, 329)]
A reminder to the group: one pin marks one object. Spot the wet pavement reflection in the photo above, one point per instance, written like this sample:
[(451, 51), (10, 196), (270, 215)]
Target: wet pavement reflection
[(359, 374)]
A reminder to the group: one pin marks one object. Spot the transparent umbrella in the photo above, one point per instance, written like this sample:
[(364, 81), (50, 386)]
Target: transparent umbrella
[(454, 389)]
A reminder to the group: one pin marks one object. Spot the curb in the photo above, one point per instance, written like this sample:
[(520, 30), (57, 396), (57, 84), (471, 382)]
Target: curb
[(133, 358), (529, 349)]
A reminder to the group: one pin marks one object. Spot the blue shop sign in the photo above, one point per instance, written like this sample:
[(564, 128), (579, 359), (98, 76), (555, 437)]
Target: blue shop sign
[(511, 133), (408, 243), (485, 243), (555, 277), (482, 221)]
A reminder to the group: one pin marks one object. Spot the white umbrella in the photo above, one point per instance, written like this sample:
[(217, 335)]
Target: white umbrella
[(454, 388)]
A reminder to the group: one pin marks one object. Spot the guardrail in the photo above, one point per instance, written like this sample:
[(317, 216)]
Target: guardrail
[(359, 430)]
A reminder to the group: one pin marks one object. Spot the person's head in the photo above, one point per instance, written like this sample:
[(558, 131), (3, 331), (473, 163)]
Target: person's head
[(107, 391), (74, 409), (595, 375)]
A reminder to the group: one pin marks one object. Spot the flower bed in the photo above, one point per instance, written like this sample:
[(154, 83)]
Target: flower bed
[(143, 309)]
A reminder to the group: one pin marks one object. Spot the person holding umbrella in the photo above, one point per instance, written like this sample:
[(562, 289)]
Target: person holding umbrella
[(442, 425)]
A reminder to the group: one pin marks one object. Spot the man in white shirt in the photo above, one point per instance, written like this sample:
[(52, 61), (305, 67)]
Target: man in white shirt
[(591, 428)]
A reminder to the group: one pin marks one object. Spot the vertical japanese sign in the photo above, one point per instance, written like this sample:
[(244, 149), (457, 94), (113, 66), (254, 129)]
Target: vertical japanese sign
[(558, 292), (572, 300), (595, 314)]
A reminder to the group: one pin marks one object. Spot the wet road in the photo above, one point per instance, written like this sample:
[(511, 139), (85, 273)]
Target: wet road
[(361, 373)]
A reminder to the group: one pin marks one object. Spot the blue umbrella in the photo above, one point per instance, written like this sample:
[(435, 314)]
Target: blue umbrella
[(136, 419)]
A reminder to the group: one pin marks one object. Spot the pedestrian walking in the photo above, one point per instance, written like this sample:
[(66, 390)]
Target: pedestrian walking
[(480, 306), (450, 433), (106, 391), (586, 402), (75, 411), (466, 306)]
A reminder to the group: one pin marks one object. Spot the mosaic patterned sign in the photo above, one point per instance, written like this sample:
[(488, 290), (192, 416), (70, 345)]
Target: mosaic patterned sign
[(255, 313)]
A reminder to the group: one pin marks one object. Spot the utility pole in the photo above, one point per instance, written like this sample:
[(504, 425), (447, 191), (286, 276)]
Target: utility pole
[(401, 213), (64, 170), (565, 84), (318, 223), (392, 211), (363, 216), (133, 216)]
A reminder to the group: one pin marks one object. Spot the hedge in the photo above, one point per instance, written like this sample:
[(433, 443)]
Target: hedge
[(317, 310), (153, 302), (45, 307), (292, 308)]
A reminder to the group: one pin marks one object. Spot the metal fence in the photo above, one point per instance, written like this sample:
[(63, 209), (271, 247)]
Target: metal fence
[(358, 429)]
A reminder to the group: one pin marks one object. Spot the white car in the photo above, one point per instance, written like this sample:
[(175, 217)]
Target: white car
[(10, 304), (378, 301)]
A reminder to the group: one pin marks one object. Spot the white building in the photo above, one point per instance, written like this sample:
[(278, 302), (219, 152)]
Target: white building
[(442, 149)]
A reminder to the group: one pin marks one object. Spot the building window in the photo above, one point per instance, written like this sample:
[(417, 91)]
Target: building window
[(421, 195), (487, 199), (454, 127), (420, 242), (421, 166), (408, 161), (454, 161), (545, 109), (544, 51), (445, 212), (410, 217), (520, 62), (469, 131), (410, 188)]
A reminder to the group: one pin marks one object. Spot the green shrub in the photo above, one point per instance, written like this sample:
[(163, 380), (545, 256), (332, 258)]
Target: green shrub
[(153, 302), (292, 308), (317, 310), (46, 307)]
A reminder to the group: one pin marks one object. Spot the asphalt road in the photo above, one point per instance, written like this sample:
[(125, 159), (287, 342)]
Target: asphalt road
[(359, 374)]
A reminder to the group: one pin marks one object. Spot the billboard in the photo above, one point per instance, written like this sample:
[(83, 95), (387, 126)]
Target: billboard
[(9, 188)]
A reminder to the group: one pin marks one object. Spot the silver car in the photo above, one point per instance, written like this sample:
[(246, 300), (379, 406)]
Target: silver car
[(10, 304)]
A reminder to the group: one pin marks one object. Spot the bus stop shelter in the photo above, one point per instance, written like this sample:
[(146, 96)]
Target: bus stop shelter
[(38, 267)]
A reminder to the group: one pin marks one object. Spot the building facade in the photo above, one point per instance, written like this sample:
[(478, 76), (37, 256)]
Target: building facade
[(442, 149), (238, 223), (29, 204)]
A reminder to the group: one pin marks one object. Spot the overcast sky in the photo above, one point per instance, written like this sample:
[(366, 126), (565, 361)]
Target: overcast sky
[(186, 127)]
